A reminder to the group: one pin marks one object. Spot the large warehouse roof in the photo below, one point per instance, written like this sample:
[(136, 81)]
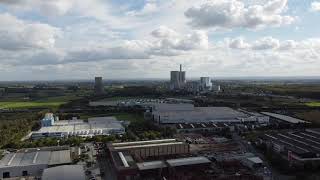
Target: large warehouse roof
[(188, 161), (143, 142), (67, 172), (36, 157), (284, 118), (93, 125)]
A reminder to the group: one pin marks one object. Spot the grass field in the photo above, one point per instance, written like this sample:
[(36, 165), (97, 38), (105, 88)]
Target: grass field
[(47, 102), (313, 104), (20, 105)]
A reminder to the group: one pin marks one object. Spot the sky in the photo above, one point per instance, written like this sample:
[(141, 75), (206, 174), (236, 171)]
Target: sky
[(138, 39)]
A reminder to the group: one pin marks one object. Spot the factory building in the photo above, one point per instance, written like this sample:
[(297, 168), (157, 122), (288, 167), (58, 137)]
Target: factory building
[(205, 84), (65, 128), (298, 147), (187, 113), (178, 79), (48, 120), (285, 119), (32, 162), (98, 86), (66, 172), (155, 158)]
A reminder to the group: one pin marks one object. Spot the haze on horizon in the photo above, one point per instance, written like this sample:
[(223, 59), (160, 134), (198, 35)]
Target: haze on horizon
[(126, 39)]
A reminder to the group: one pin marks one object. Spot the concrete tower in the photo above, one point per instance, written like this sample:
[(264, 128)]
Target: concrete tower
[(178, 79), (98, 86)]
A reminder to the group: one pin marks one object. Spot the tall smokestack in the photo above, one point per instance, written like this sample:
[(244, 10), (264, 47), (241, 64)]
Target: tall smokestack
[(180, 67)]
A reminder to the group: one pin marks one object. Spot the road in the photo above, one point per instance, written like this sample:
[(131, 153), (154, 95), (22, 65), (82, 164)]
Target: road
[(106, 168)]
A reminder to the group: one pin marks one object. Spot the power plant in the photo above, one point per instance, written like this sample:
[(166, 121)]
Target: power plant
[(178, 79)]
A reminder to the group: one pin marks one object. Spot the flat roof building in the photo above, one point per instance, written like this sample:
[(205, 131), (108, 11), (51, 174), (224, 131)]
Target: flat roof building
[(297, 146), (139, 158), (66, 172), (187, 113), (32, 162), (285, 118), (94, 126)]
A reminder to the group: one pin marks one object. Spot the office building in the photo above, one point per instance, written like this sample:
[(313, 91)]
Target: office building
[(98, 86)]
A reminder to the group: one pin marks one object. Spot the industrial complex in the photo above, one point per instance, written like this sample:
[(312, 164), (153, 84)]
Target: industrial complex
[(297, 147), (188, 113), (52, 127), (152, 158)]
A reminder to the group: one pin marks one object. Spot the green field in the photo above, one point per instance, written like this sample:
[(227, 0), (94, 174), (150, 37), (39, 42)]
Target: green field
[(313, 104), (20, 105)]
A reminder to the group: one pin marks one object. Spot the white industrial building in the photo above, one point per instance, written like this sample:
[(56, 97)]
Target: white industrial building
[(205, 84), (32, 162), (187, 113), (94, 126)]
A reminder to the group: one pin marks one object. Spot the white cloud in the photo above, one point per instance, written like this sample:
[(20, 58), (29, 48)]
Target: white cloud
[(16, 34), (54, 8), (228, 14), (238, 43), (315, 6), (164, 32), (149, 8), (266, 43), (170, 42)]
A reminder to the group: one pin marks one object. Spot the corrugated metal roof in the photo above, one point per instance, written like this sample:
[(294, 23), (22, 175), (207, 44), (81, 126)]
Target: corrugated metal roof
[(151, 165), (66, 172), (147, 145), (36, 157), (255, 160), (284, 118), (188, 161), (143, 142)]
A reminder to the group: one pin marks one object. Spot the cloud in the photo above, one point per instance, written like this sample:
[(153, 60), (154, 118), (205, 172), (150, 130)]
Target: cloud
[(270, 43), (229, 14), (17, 34), (162, 45), (266, 43), (170, 43), (315, 6), (149, 8), (238, 43), (54, 8), (164, 32)]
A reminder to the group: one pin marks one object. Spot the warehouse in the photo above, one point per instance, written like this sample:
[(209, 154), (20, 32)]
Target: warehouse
[(32, 162), (66, 172), (94, 126), (152, 158), (297, 147), (187, 113), (203, 127), (146, 149), (285, 119)]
